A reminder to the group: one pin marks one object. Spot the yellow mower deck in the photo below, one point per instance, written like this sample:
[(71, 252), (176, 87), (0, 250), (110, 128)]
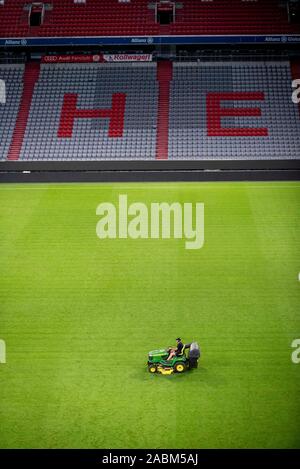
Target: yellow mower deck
[(165, 371)]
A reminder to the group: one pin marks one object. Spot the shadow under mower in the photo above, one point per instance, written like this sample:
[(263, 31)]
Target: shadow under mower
[(157, 360)]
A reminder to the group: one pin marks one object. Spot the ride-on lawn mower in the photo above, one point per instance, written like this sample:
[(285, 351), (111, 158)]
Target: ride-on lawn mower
[(158, 363)]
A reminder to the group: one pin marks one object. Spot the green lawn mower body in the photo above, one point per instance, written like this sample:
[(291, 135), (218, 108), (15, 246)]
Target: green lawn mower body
[(188, 359)]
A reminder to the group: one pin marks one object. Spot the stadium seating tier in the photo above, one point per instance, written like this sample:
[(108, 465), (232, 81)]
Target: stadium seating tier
[(141, 111), (111, 18)]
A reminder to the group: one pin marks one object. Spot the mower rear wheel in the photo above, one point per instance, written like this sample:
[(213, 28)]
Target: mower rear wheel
[(152, 368), (180, 367)]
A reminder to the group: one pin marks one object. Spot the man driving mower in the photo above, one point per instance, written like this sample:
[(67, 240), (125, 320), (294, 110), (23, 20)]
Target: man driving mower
[(175, 351), (174, 359)]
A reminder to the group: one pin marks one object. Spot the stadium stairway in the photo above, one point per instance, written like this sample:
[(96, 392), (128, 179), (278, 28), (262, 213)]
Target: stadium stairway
[(164, 77), (31, 75)]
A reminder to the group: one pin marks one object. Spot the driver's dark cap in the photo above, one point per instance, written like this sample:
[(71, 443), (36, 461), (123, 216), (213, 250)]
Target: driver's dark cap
[(178, 338)]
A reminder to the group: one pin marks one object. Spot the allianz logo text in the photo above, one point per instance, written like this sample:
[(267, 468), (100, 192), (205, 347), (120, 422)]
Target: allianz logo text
[(156, 221), (2, 92)]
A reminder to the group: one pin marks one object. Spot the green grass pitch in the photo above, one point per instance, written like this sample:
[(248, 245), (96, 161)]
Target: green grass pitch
[(79, 314)]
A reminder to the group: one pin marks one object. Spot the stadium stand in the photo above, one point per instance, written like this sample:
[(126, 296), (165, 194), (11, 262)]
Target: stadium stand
[(126, 94), (147, 111), (29, 79), (13, 76), (194, 124), (232, 17), (93, 18), (103, 18)]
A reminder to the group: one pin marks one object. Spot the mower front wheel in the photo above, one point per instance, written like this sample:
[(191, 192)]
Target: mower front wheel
[(152, 368)]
